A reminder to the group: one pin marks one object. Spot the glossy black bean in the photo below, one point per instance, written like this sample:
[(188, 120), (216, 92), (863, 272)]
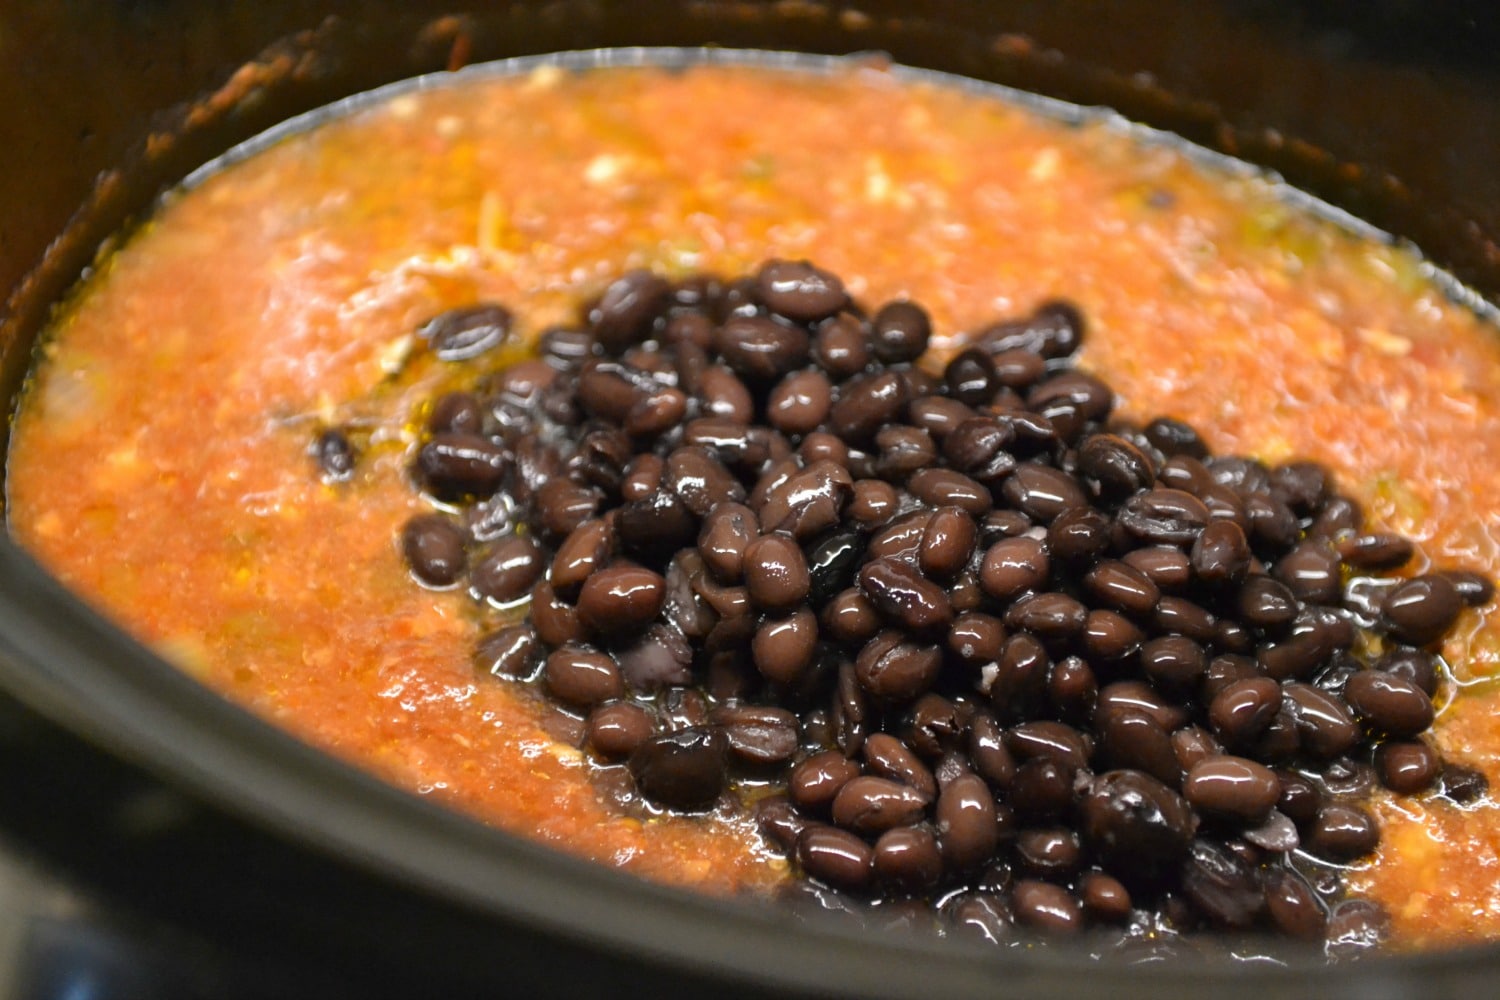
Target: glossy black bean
[(835, 856), (1042, 492), (759, 735), (435, 549), (778, 819), (1300, 797), (1266, 603), (507, 570), (907, 859), (944, 487), (620, 600), (1223, 887), (1138, 827), (560, 506), (1132, 739), (849, 618), (966, 823), (1054, 330), (1415, 665), (980, 916), (512, 652), (867, 403), (988, 753), (1050, 616), (947, 543), (1421, 610), (783, 649), (799, 291), (1293, 905), (1104, 897), (1325, 727), (1119, 585), (901, 593), (1192, 744), (1340, 515), (776, 573), (1054, 741), (900, 332), (760, 349), (895, 671), (980, 447), (1013, 566), (1116, 468), (1474, 589), (976, 637), (1463, 784), (1168, 568), (1041, 791), (799, 402), (1234, 787), (1183, 617), (1407, 767), (628, 308), (455, 465), (1079, 536), (1141, 697), (1174, 663), (971, 377), (932, 727), (870, 805), (887, 757), (1175, 437), (618, 729), (1388, 703), (583, 677), (1109, 637), (1221, 554), (1342, 832), (468, 332), (556, 621), (1243, 710), (1164, 515)]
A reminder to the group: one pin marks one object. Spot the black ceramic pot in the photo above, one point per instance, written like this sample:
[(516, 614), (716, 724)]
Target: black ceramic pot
[(283, 872)]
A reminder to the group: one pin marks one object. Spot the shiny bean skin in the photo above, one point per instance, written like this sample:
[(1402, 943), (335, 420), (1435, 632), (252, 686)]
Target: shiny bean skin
[(775, 572), (871, 805), (508, 570), (620, 599), (618, 729), (835, 856), (1343, 832), (582, 677), (1407, 766), (1013, 566), (1244, 709), (895, 671), (966, 823), (947, 543), (435, 549), (813, 782), (1422, 609), (1232, 786), (1388, 703), (783, 648), (908, 859), (888, 757), (1047, 907), (904, 595)]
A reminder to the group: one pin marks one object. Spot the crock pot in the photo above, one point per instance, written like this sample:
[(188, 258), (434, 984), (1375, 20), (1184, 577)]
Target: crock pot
[(284, 872)]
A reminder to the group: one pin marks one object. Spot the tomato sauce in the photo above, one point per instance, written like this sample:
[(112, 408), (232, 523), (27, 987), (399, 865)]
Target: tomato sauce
[(160, 462)]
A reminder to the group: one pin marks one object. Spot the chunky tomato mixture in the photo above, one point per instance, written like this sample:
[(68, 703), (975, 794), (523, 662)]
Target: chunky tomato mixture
[(160, 463)]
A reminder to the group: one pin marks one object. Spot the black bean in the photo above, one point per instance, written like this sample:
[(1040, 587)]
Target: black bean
[(871, 805), (976, 637), (1293, 905), (1041, 791), (1141, 697), (850, 618), (1415, 665), (620, 600), (660, 658), (1340, 515), (618, 729), (1463, 784), (1168, 568), (1116, 468), (933, 726), (900, 331), (627, 309), (1300, 797), (867, 403), (1054, 741), (1054, 331), (1234, 787), (1048, 615), (1222, 886), (461, 334), (1325, 728), (1013, 566), (511, 652), (1183, 617), (581, 676), (1312, 572), (895, 671), (435, 549), (1192, 744), (454, 465), (335, 455), (1174, 663), (888, 757), (1132, 739), (1474, 589), (1122, 586), (582, 554), (1422, 609), (1104, 897), (1355, 927), (761, 349), (966, 823), (1164, 515), (508, 570), (1110, 637), (776, 573), (783, 648), (1407, 766), (799, 291), (842, 346), (813, 782), (971, 377), (683, 769), (1379, 551), (1221, 554), (799, 402), (1266, 603), (1041, 492), (1174, 437), (944, 487), (1342, 832), (901, 593), (907, 859), (561, 506), (1243, 710), (1388, 703), (758, 734), (1138, 827), (556, 621), (1223, 671)]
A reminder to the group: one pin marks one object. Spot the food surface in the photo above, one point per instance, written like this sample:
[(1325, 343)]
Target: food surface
[(162, 467)]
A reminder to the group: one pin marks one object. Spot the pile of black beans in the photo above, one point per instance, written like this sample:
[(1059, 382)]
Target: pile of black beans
[(975, 654)]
